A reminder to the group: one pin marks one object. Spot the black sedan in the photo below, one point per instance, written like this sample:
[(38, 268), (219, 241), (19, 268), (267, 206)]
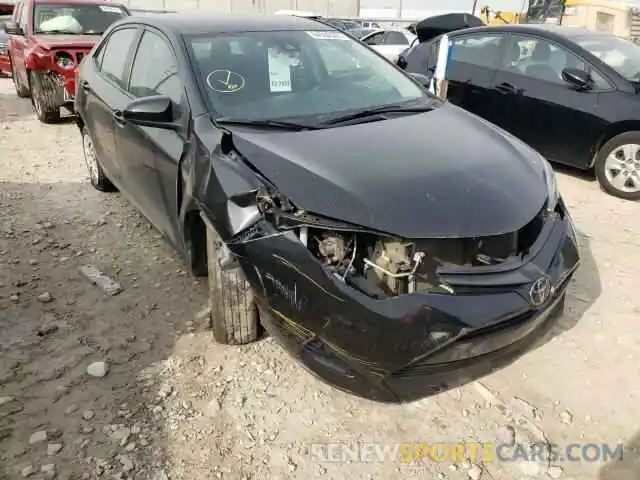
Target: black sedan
[(328, 197), (570, 93)]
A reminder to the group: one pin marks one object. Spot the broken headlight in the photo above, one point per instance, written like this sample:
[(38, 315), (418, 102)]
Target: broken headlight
[(64, 60), (552, 186)]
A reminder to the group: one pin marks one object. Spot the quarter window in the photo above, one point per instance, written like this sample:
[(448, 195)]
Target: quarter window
[(375, 39), (114, 55), (478, 50), (155, 70)]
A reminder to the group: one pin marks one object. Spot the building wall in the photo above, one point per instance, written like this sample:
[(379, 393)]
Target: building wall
[(335, 8)]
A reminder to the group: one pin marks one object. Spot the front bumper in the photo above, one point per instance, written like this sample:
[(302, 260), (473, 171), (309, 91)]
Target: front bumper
[(407, 347)]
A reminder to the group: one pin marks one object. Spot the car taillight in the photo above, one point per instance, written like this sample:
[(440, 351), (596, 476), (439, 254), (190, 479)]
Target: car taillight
[(64, 60)]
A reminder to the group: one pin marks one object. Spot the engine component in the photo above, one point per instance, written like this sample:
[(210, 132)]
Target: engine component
[(332, 248), (391, 266)]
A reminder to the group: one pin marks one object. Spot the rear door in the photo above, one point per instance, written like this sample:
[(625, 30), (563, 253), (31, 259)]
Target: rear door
[(151, 155), (472, 69), (102, 91), (538, 106)]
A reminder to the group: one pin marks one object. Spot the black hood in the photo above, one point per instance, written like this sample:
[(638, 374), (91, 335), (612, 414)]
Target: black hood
[(444, 173)]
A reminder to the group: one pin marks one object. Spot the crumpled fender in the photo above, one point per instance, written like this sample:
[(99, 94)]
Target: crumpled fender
[(38, 58)]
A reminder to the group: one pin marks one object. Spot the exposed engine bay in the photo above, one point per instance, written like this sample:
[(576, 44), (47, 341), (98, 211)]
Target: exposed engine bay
[(381, 266)]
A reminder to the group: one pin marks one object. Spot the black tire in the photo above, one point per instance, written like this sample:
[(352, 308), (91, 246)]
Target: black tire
[(234, 314), (43, 98), (98, 178), (21, 90), (603, 173)]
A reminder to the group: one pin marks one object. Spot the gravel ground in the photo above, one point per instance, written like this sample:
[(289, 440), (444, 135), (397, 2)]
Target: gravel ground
[(163, 401)]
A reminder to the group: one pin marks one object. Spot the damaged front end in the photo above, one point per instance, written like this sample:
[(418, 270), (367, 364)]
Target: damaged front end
[(387, 318), (54, 71)]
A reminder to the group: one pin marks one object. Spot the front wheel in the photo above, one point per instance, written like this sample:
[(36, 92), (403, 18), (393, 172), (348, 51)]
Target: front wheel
[(43, 98), (234, 313), (21, 90), (617, 166)]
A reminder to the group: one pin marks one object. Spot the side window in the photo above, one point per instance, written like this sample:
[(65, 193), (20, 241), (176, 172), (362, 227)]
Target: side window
[(16, 16), (543, 60), (480, 50), (375, 39), (114, 55), (395, 38), (155, 70)]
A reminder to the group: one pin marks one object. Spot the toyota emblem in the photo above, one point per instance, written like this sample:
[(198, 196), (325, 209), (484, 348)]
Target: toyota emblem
[(540, 291)]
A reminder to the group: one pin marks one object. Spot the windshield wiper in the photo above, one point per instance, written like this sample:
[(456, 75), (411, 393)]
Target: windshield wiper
[(266, 123), (372, 112)]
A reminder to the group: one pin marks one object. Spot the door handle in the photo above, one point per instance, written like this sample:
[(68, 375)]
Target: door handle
[(505, 88)]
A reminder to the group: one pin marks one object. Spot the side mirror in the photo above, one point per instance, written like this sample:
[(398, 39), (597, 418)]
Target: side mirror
[(576, 77), (423, 80), (402, 61), (12, 28), (156, 111)]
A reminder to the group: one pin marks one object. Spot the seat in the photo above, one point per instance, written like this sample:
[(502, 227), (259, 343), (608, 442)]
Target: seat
[(539, 67)]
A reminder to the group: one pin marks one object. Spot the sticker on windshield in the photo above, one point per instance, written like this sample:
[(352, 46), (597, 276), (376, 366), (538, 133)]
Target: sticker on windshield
[(327, 35), (108, 9), (279, 71), (225, 81)]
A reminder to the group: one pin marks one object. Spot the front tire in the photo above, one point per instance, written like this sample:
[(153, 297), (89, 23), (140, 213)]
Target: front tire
[(617, 166), (234, 313), (43, 98), (98, 178), (21, 90)]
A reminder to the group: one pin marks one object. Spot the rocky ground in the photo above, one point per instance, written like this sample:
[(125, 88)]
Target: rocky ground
[(132, 386)]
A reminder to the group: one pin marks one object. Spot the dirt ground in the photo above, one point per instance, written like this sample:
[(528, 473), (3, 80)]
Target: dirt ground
[(174, 405)]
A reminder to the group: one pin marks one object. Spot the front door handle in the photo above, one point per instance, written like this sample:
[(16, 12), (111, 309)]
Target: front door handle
[(505, 88)]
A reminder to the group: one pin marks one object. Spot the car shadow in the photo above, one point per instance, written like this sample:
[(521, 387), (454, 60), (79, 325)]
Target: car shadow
[(627, 467), (55, 323), (585, 175)]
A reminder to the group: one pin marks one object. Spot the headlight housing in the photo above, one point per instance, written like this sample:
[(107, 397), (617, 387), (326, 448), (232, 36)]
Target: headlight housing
[(552, 186)]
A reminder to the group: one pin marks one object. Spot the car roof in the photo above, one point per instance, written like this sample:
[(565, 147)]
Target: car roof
[(537, 28), (201, 22)]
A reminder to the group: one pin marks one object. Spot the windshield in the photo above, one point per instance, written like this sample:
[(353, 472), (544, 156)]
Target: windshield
[(620, 54), (270, 75), (75, 18)]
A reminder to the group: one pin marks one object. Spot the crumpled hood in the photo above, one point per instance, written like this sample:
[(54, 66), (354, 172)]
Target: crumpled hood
[(444, 173), (68, 41)]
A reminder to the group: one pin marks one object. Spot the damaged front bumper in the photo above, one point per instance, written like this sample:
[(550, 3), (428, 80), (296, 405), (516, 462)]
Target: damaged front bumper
[(408, 346)]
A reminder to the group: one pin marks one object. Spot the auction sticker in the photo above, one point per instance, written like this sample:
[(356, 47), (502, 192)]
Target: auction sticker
[(327, 35), (279, 71)]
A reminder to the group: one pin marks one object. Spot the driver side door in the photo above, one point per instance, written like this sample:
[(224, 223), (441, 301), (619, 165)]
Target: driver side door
[(151, 155)]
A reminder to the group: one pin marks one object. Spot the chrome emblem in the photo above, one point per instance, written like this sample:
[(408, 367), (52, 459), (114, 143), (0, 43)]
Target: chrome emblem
[(540, 291)]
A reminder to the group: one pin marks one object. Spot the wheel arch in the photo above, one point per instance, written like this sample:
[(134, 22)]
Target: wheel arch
[(613, 130)]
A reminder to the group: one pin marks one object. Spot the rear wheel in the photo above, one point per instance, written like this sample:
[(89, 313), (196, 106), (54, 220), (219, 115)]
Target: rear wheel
[(98, 178), (617, 166), (234, 314), (43, 98), (21, 90)]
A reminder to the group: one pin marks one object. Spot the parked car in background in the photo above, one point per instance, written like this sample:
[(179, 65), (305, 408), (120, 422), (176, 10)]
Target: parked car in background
[(6, 10), (361, 32), (342, 24), (47, 41), (389, 42), (572, 94), (393, 243)]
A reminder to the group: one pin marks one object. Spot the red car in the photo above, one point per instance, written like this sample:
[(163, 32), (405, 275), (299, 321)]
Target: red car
[(47, 41)]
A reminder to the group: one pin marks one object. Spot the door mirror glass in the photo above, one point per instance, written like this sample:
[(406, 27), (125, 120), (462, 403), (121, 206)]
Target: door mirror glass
[(12, 28), (155, 111), (576, 77)]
